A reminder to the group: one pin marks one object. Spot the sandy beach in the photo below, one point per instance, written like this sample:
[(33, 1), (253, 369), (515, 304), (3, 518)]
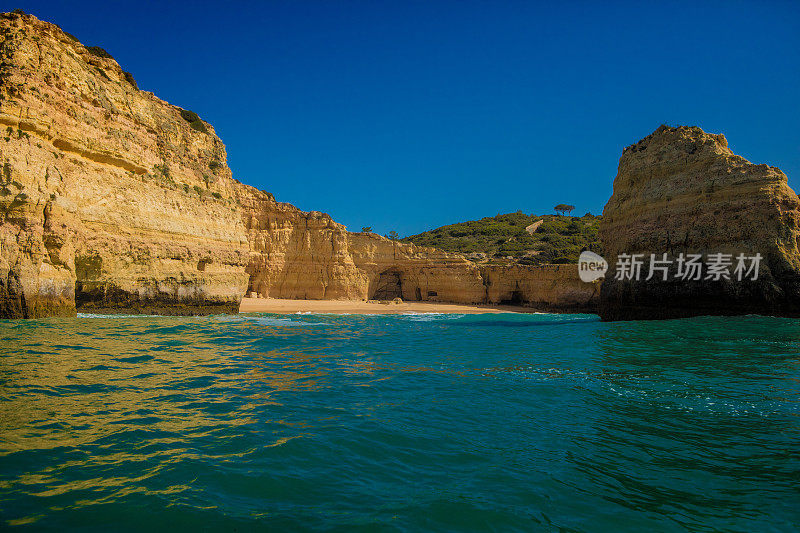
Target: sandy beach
[(275, 305)]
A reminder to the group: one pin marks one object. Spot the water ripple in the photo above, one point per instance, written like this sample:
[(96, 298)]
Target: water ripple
[(407, 422)]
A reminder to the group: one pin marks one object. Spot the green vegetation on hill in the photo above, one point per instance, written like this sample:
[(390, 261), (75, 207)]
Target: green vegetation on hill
[(559, 239)]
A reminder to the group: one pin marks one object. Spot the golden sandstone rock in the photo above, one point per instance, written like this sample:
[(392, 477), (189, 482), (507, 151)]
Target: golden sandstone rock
[(113, 200), (309, 256), (551, 287), (109, 195), (681, 190)]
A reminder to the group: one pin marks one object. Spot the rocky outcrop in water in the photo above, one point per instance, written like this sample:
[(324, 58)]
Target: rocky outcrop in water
[(682, 191)]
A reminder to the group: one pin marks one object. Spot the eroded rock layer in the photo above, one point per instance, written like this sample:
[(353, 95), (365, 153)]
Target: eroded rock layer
[(110, 197), (309, 256), (545, 287), (113, 200), (681, 190)]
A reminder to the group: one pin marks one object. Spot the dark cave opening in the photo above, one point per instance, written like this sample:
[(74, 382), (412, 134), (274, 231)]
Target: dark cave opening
[(389, 285)]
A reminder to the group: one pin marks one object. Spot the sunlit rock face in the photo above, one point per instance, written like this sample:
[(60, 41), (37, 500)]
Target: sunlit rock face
[(309, 256), (112, 200), (110, 197), (682, 191)]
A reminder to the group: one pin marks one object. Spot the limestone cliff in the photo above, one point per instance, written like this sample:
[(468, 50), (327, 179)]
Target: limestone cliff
[(308, 255), (116, 201), (110, 197), (545, 287), (681, 190)]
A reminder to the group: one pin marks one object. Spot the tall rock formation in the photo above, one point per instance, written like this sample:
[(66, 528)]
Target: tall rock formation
[(113, 200), (110, 196), (682, 191)]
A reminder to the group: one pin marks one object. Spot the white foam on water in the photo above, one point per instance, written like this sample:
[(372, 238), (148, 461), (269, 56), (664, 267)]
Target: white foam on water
[(93, 315), (270, 321), (431, 317)]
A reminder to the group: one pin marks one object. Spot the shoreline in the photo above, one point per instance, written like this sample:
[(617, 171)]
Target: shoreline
[(372, 307)]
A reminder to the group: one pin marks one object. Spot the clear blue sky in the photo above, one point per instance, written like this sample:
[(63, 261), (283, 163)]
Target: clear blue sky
[(410, 115)]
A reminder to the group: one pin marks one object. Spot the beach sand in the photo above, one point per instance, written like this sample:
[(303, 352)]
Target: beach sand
[(275, 305)]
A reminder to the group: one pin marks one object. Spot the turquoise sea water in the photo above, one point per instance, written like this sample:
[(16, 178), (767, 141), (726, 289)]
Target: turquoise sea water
[(411, 422)]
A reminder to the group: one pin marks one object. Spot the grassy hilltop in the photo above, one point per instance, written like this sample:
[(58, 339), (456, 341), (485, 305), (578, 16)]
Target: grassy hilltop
[(559, 239)]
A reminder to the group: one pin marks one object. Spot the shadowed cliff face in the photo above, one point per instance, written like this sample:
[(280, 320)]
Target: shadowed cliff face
[(547, 287), (681, 190), (112, 200)]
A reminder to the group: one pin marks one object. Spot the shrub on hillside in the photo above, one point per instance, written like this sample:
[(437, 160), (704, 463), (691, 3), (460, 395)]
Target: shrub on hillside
[(558, 239), (130, 79), (194, 121)]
